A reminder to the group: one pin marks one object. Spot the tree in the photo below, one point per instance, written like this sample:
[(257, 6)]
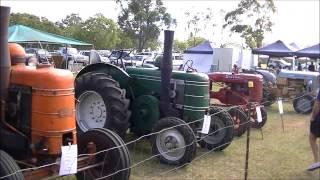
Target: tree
[(196, 22), (194, 41), (33, 21), (141, 20), (180, 45), (100, 31), (251, 19), (72, 26), (125, 42), (190, 42)]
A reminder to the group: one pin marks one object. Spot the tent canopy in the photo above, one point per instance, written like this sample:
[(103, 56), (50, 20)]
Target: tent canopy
[(24, 34), (276, 49), (311, 52), (203, 48), (294, 46)]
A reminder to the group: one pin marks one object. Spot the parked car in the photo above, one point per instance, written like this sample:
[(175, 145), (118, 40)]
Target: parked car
[(41, 54), (87, 54), (273, 63), (177, 60), (71, 54), (138, 59), (147, 55), (125, 55)]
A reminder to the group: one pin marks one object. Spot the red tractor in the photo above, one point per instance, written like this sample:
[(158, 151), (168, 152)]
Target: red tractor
[(238, 89)]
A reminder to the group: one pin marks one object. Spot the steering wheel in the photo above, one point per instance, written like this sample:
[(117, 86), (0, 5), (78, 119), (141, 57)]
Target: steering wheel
[(189, 65)]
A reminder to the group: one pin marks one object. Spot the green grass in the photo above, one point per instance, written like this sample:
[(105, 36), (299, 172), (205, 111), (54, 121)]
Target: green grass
[(279, 155)]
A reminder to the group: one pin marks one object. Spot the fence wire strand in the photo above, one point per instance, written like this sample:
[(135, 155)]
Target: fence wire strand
[(224, 109)]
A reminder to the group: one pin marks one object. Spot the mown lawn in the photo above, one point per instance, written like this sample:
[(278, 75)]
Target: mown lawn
[(279, 155)]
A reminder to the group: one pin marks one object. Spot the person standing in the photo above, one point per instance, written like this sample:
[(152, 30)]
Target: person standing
[(299, 66), (315, 134), (311, 67)]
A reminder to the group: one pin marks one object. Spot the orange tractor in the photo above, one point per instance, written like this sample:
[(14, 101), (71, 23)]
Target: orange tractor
[(38, 118)]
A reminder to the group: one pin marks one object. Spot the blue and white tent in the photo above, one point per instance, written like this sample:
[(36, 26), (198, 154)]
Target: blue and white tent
[(201, 56), (311, 52), (276, 49)]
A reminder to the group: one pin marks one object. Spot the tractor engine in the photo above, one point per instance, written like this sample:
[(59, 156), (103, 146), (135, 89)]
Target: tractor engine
[(40, 109), (233, 89)]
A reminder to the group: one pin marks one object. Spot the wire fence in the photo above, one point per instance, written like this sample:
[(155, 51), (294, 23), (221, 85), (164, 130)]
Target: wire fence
[(142, 153)]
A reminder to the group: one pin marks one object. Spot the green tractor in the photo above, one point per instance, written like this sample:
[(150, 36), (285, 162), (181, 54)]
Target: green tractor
[(149, 100)]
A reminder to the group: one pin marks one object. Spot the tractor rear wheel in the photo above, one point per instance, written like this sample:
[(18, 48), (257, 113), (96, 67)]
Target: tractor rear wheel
[(266, 99), (101, 103), (255, 123), (8, 166), (174, 141), (303, 103), (221, 130), (114, 160), (240, 121)]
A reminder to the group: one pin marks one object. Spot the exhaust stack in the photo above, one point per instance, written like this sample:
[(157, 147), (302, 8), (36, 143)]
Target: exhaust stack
[(4, 55), (166, 70)]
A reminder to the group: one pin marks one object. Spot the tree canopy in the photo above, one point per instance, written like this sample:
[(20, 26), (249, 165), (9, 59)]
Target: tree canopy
[(141, 20), (251, 19)]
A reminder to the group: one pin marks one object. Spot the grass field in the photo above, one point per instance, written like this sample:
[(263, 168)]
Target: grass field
[(279, 155)]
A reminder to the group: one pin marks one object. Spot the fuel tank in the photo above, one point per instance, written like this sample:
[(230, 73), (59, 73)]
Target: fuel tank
[(53, 106)]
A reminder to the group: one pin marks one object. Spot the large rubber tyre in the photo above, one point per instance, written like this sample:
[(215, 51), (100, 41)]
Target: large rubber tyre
[(116, 162), (264, 114), (179, 137), (221, 130), (240, 121), (101, 103), (266, 99), (9, 166), (303, 103)]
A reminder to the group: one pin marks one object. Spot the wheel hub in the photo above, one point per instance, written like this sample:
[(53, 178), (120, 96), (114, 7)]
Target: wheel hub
[(91, 111), (216, 132), (304, 104), (171, 144)]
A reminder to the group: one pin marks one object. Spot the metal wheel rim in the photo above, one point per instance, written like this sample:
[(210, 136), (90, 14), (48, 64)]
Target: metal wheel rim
[(304, 104), (91, 111), (236, 121), (171, 144), (99, 170), (216, 133)]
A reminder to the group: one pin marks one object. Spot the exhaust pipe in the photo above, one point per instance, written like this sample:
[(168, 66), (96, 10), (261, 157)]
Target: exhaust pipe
[(166, 70), (4, 55)]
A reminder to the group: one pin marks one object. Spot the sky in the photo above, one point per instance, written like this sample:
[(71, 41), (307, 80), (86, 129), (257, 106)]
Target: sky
[(295, 20)]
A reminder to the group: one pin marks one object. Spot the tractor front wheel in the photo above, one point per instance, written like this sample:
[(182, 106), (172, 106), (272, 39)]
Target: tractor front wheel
[(221, 129), (101, 103), (173, 141), (9, 166), (303, 103), (255, 123), (111, 158), (240, 121)]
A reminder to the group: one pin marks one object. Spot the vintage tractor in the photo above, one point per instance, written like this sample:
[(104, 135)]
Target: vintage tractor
[(38, 118), (151, 100), (301, 86), (269, 85), (233, 89)]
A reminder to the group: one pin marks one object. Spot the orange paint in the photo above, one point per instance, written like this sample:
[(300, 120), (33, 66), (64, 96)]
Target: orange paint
[(53, 103)]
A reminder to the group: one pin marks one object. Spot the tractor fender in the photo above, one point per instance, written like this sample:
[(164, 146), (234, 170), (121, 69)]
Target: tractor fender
[(115, 72)]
